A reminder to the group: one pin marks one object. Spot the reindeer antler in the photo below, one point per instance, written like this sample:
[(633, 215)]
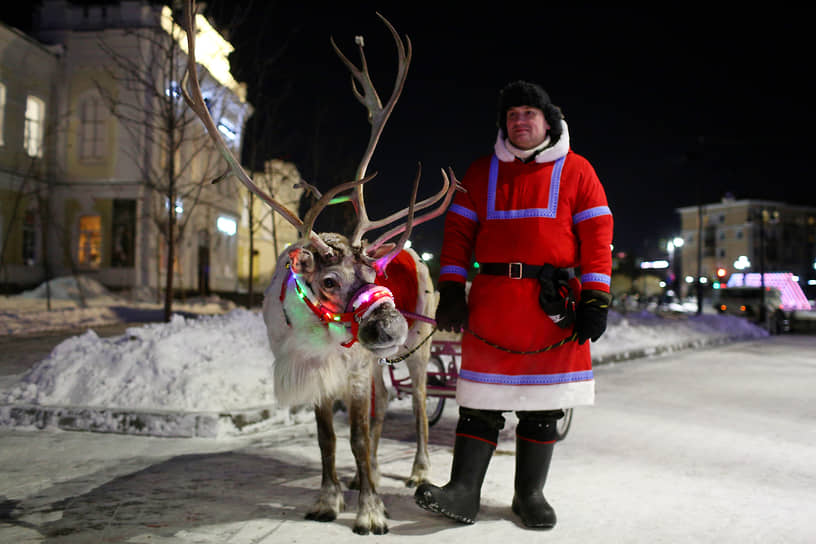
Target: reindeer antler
[(378, 115), (195, 101)]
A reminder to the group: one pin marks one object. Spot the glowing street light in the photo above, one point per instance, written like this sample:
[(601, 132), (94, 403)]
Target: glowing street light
[(742, 263)]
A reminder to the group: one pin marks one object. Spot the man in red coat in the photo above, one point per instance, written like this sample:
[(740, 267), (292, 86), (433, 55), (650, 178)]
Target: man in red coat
[(535, 216)]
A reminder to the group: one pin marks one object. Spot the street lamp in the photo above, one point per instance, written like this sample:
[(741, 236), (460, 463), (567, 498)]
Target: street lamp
[(742, 263)]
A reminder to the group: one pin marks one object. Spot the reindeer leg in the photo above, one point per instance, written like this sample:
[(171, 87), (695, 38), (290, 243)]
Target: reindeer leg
[(371, 514), (380, 399), (417, 368), (330, 500)]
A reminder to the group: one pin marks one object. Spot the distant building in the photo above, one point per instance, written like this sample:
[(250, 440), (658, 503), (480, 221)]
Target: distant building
[(82, 150), (271, 232), (741, 236)]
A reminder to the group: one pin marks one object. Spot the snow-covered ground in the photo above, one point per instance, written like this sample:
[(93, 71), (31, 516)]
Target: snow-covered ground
[(211, 375), (711, 445), (700, 446)]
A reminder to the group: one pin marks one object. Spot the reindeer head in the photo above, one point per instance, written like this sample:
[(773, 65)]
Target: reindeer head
[(340, 287)]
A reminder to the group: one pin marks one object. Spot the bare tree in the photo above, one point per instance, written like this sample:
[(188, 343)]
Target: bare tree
[(175, 156)]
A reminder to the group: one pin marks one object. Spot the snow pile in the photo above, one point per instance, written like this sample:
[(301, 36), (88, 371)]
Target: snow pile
[(71, 288), (645, 333), (217, 363), (56, 305)]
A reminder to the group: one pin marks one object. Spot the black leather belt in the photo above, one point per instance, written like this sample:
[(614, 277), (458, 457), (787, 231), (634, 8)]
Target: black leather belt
[(515, 271)]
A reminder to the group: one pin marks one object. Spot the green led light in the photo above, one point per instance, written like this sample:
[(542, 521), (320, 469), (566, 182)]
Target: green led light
[(476, 265)]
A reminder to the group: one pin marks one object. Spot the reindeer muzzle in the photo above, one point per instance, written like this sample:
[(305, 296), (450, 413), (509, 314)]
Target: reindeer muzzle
[(368, 298)]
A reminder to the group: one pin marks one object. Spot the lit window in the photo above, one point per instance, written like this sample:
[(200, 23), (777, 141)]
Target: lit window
[(2, 110), (34, 126), (227, 225), (173, 91), (225, 129), (90, 241), (92, 116), (179, 205)]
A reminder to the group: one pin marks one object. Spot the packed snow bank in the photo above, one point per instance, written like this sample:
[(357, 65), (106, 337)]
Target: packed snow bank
[(222, 366), (210, 363), (645, 333)]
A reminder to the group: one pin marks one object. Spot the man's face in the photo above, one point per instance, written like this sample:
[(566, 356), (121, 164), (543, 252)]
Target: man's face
[(526, 126)]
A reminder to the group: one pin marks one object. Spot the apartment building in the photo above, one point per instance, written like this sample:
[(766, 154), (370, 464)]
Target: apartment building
[(740, 236)]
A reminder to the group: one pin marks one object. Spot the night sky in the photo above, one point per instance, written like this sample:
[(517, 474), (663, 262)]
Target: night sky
[(672, 106)]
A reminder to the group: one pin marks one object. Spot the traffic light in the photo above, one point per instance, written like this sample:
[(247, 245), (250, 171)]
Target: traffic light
[(721, 272)]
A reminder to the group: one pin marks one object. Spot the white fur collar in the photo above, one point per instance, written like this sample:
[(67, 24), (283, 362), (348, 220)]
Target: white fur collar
[(550, 154)]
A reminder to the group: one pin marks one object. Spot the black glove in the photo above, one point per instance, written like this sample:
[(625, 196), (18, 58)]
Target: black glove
[(590, 319), (555, 296), (452, 312)]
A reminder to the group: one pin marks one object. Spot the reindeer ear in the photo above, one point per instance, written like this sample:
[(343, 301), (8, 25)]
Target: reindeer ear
[(302, 261), (382, 250)]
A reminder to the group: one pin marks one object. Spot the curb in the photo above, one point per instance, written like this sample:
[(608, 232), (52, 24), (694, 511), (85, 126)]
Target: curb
[(168, 424)]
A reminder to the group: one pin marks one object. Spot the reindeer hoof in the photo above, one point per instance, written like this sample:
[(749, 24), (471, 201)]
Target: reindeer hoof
[(416, 479), (413, 482), (321, 515), (364, 530)]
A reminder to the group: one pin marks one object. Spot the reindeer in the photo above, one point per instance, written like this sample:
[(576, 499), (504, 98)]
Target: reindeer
[(329, 313)]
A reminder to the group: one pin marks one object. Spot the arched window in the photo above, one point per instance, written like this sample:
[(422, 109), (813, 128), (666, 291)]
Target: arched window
[(92, 123), (34, 126)]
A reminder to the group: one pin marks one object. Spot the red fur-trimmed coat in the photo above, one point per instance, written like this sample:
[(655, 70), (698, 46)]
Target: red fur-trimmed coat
[(552, 210)]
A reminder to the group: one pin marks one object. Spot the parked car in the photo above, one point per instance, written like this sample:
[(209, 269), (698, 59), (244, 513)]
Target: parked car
[(748, 302)]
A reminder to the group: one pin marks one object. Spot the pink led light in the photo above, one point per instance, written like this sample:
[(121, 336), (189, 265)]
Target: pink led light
[(793, 298)]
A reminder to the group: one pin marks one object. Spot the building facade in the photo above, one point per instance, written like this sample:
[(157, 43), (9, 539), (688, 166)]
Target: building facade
[(742, 236), (27, 102), (98, 146), (263, 233)]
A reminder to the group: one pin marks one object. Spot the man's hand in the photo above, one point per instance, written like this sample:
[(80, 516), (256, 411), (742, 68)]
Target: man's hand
[(555, 296), (590, 319), (452, 312)]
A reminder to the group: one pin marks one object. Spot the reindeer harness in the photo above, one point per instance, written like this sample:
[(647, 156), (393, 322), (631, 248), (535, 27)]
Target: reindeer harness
[(364, 301)]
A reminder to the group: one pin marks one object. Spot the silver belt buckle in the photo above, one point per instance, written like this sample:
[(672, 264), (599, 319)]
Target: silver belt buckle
[(514, 267)]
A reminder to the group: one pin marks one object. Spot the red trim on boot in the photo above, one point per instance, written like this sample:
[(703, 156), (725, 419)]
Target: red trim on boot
[(476, 438), (536, 441)]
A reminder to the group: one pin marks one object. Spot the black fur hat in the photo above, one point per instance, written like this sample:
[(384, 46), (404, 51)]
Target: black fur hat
[(524, 93)]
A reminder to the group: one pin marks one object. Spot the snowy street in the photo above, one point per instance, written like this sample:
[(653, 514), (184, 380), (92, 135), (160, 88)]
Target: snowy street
[(706, 445)]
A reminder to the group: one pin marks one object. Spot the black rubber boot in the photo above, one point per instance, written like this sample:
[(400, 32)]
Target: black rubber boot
[(532, 464), (459, 499)]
